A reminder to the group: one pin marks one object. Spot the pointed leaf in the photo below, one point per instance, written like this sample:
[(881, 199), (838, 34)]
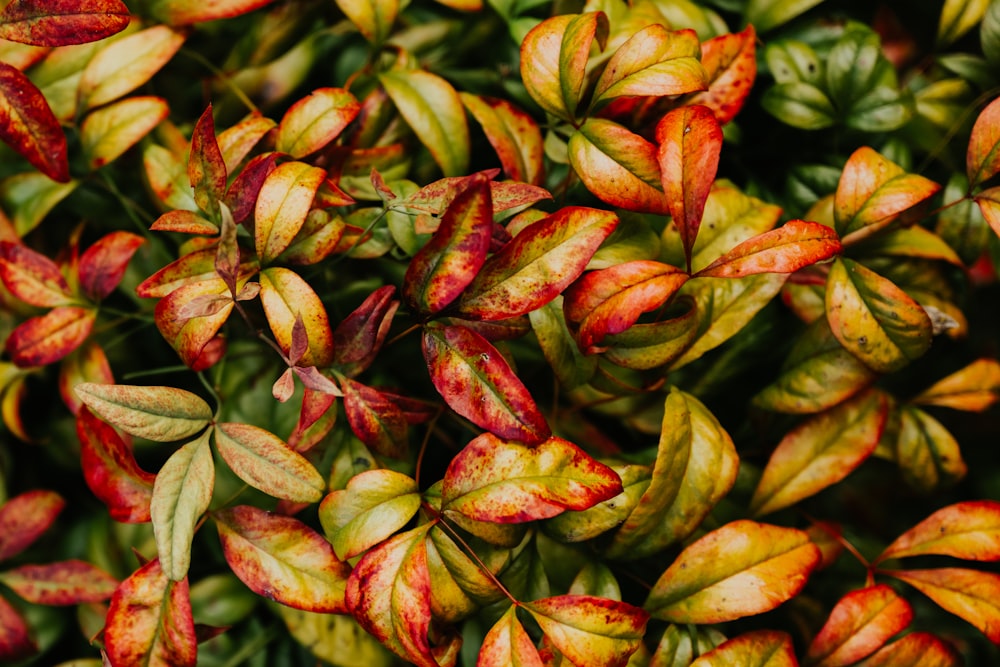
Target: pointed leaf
[(791, 247), (28, 125), (820, 452), (206, 168), (163, 414), (445, 266), (103, 264), (927, 454), (590, 630), (282, 205), (969, 594), (477, 383), (125, 64), (741, 569), (969, 530), (187, 12), (374, 18), (190, 334), (64, 583), (860, 623), (315, 120), (983, 156), (108, 132), (87, 363), (15, 637), (873, 318), (654, 62), (181, 495), (375, 419), (389, 594), (286, 297), (50, 337), (689, 140), (508, 643), (282, 559), (505, 482), (434, 111), (265, 462), (759, 648), (149, 621), (513, 134), (538, 264), (62, 22), (24, 518), (571, 368), (917, 649), (237, 141), (32, 277), (957, 18), (375, 504), (358, 338), (111, 471), (731, 64), (973, 388)]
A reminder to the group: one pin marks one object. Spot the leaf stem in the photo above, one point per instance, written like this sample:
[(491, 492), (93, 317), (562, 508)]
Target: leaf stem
[(472, 554)]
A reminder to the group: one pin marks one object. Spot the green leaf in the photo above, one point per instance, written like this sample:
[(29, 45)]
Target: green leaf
[(265, 462), (181, 494), (645, 346), (374, 18), (927, 454), (108, 132), (571, 367), (989, 33), (287, 298), (163, 414), (883, 109), (800, 105), (767, 14), (30, 196), (957, 18), (855, 68), (792, 61)]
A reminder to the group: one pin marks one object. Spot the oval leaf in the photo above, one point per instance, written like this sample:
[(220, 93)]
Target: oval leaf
[(760, 648), (32, 277), (62, 22), (315, 120), (187, 12), (24, 518), (111, 471), (974, 388), (375, 419), (793, 246), (163, 414), (50, 337), (125, 64), (67, 582), (860, 623), (969, 530), (513, 134), (917, 649), (108, 132), (28, 125), (654, 62), (969, 594), (508, 643), (282, 205), (590, 630), (286, 298), (374, 18), (102, 266), (15, 636), (982, 160), (266, 462)]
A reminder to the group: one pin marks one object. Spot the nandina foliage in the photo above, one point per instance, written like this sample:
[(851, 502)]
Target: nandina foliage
[(491, 333)]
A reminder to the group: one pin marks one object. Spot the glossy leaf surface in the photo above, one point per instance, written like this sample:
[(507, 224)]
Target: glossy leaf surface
[(315, 120), (267, 463), (284, 200), (654, 62), (28, 125), (861, 622), (759, 648), (969, 594), (62, 22), (968, 530), (793, 246), (514, 135), (102, 266), (587, 629), (32, 277), (163, 414), (983, 156), (928, 455)]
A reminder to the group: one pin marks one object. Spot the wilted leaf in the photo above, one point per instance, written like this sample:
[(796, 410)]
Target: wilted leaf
[(286, 298), (50, 337), (741, 569), (759, 648), (32, 277), (513, 134), (315, 120), (973, 388), (28, 125), (969, 594), (266, 462), (478, 383), (917, 649), (590, 630), (820, 452), (103, 264), (374, 505), (968, 530), (163, 414), (62, 22), (508, 643), (861, 622), (282, 559), (111, 471), (149, 621), (505, 482), (791, 247), (67, 582), (108, 132), (282, 205), (25, 517), (731, 64)]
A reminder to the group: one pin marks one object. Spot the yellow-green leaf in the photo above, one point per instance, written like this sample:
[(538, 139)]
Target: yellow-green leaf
[(974, 388), (282, 206), (163, 414), (374, 18), (959, 17), (969, 594), (315, 120), (759, 648), (589, 630), (108, 132), (265, 462), (125, 64)]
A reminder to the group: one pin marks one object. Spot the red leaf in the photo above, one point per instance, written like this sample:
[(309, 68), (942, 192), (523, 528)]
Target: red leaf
[(316, 418), (24, 518), (982, 159), (508, 643), (375, 419), (103, 264), (505, 482), (62, 22), (87, 363), (917, 649), (731, 64), (793, 246), (63, 583), (188, 12), (860, 623), (969, 530), (690, 140), (32, 277), (477, 383), (50, 337), (149, 621), (242, 194), (514, 135), (282, 559), (206, 168), (15, 638), (590, 630), (442, 269), (111, 472), (359, 337)]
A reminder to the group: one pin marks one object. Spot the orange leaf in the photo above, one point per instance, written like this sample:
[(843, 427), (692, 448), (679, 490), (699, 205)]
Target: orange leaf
[(286, 297), (760, 648), (982, 160), (190, 334), (24, 518), (690, 140), (87, 363), (507, 643), (989, 205), (32, 277), (50, 337), (969, 530), (106, 133), (793, 246), (590, 630), (103, 264), (969, 594), (505, 482), (111, 471), (860, 623), (315, 120), (973, 388), (28, 125), (820, 452), (187, 12), (917, 649), (513, 134), (741, 569), (731, 63), (62, 22), (282, 205), (67, 582)]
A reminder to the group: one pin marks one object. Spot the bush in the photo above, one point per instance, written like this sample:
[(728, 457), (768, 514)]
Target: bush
[(499, 333)]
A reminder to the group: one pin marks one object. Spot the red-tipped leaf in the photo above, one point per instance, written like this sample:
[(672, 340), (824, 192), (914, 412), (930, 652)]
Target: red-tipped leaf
[(793, 246), (860, 624), (28, 125)]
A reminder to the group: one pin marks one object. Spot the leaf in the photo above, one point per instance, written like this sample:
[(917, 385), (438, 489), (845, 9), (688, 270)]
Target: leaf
[(538, 264), (872, 192), (618, 166), (282, 205), (189, 12), (445, 266), (917, 649), (163, 414), (758, 648), (873, 318), (359, 336), (286, 297), (731, 64), (25, 517), (375, 419), (506, 482), (106, 133), (64, 583), (206, 168), (799, 104), (434, 111), (768, 14), (87, 363), (928, 455), (958, 18), (102, 265), (968, 530), (570, 366), (373, 18), (969, 594), (191, 334), (237, 141), (690, 141), (181, 495), (335, 638), (50, 337), (15, 637), (653, 62), (32, 277), (267, 463), (514, 135), (28, 125), (111, 471), (861, 622), (508, 643), (590, 630), (389, 594), (315, 120), (62, 22), (741, 569), (282, 559), (149, 621), (793, 246), (982, 159), (375, 504), (477, 383), (646, 346), (973, 388), (820, 452), (989, 206), (125, 64), (554, 56)]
